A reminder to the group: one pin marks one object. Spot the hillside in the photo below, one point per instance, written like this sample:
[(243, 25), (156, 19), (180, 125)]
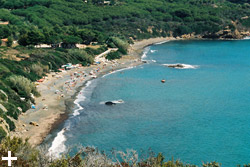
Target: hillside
[(94, 20)]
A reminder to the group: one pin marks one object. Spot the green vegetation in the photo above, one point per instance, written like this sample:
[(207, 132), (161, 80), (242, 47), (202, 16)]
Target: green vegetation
[(29, 156), (82, 56), (10, 41), (2, 133), (246, 22), (94, 52), (87, 156), (39, 69), (114, 55), (115, 42), (53, 21), (23, 85)]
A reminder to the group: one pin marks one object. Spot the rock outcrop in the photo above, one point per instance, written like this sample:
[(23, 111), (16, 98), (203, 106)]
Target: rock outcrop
[(109, 103), (176, 66), (227, 34)]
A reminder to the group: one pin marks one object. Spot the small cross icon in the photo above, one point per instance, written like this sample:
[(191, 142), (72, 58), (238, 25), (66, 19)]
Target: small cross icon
[(9, 158)]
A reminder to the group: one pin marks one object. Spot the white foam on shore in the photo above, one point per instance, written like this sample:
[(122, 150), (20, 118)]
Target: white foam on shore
[(145, 52), (58, 145), (153, 51), (246, 38), (123, 69), (158, 43), (79, 98), (185, 66)]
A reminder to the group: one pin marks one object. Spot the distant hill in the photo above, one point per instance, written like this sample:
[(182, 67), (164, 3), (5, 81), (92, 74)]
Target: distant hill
[(95, 20)]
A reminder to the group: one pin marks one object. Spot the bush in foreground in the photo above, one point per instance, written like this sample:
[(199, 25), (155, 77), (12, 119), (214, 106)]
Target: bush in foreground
[(86, 157)]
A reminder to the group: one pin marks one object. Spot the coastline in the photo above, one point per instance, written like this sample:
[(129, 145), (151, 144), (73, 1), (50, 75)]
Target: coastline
[(58, 108)]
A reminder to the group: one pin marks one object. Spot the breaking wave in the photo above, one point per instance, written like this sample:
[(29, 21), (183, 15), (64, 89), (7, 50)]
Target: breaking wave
[(80, 97), (58, 145), (123, 69), (145, 52), (246, 38), (158, 43)]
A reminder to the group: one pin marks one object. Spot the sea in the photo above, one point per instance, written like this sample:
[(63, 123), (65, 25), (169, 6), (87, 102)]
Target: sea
[(200, 114)]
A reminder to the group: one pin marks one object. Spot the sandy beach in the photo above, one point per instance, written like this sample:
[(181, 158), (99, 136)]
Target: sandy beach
[(58, 91)]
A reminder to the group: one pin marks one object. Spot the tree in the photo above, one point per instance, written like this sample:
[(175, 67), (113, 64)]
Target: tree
[(180, 30), (51, 37), (98, 2), (23, 40), (33, 37), (71, 39), (70, 42), (10, 41), (182, 13), (112, 2), (4, 31), (53, 40), (87, 36)]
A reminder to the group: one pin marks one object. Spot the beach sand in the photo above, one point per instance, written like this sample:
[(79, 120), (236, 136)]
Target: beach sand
[(52, 109)]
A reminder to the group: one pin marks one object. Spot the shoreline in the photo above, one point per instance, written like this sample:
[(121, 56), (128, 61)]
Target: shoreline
[(59, 108)]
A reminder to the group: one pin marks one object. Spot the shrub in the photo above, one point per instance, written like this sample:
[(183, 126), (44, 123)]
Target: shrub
[(86, 156), (3, 95), (12, 110), (22, 85), (81, 56), (93, 52), (8, 121), (61, 49), (113, 55), (39, 69), (31, 46), (9, 42), (2, 133), (27, 155), (246, 22), (122, 45)]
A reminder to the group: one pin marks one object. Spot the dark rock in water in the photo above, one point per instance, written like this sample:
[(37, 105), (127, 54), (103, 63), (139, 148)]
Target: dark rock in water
[(176, 66), (109, 103)]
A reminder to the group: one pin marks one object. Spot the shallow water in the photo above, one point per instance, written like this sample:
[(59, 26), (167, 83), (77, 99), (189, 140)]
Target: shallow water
[(200, 114)]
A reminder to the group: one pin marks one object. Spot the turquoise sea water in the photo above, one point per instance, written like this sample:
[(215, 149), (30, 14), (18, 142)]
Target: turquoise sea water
[(200, 114)]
